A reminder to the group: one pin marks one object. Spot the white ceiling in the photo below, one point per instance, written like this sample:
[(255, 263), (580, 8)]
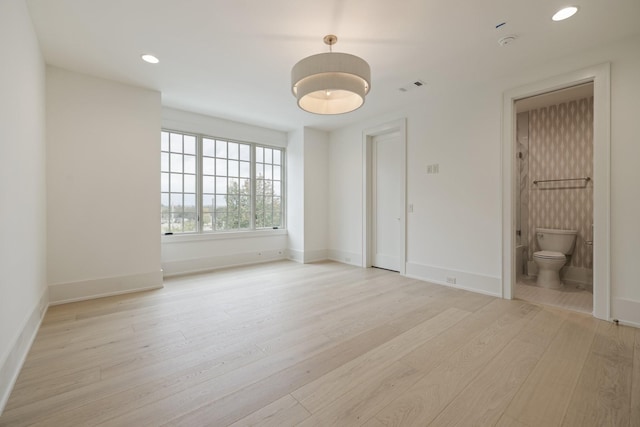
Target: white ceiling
[(233, 58)]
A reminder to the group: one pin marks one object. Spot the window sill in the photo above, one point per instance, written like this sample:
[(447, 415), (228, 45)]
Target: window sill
[(196, 237)]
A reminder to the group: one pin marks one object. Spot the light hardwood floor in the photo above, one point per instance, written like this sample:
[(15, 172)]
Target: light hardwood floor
[(571, 296), (324, 344)]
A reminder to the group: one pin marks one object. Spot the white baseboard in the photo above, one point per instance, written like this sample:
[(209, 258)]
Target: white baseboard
[(345, 257), (296, 255), (305, 257), (626, 311), (315, 255), (61, 293), (11, 362), (200, 265), (473, 282)]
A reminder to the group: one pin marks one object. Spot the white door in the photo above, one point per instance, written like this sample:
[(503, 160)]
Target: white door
[(387, 201)]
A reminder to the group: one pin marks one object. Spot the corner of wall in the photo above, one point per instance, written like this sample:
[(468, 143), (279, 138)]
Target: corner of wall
[(19, 349)]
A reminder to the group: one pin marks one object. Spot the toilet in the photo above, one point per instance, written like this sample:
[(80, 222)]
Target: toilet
[(554, 246)]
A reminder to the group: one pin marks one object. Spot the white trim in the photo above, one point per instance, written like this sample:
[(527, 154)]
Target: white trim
[(61, 293), (350, 258), (17, 352), (626, 311), (316, 255), (472, 282), (600, 75), (399, 125), (194, 237), (201, 265), (296, 255), (306, 257)]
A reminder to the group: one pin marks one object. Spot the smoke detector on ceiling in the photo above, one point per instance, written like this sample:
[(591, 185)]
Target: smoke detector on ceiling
[(507, 39)]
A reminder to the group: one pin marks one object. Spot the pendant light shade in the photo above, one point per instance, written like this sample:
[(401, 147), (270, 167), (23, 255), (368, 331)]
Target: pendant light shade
[(331, 83)]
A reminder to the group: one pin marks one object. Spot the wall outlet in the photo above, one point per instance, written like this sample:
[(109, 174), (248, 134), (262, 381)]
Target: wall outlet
[(451, 279)]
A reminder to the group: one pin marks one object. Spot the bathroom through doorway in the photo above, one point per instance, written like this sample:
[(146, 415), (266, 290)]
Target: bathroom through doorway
[(554, 198), (600, 77)]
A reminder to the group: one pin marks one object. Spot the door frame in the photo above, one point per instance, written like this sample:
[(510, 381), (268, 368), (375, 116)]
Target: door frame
[(368, 135), (600, 75)]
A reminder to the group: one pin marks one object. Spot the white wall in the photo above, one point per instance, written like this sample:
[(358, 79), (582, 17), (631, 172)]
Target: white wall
[(23, 296), (455, 229), (186, 121), (316, 194), (308, 194), (187, 254), (102, 186), (625, 176), (295, 194), (345, 195)]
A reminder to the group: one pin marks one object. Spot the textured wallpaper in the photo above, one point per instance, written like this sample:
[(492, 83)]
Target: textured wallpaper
[(561, 147)]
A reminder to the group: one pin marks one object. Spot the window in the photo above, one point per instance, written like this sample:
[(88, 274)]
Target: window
[(216, 185), (178, 183)]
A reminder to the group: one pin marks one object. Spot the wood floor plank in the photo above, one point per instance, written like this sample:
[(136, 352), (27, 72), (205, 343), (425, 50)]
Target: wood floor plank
[(183, 389), (484, 400), (430, 354), (284, 343), (281, 413), (544, 397), (429, 396), (205, 404), (506, 421), (27, 392), (108, 398), (372, 422), (602, 395), (316, 394), (361, 402)]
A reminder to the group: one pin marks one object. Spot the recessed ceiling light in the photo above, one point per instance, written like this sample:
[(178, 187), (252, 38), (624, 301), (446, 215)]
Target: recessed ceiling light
[(565, 13), (150, 59)]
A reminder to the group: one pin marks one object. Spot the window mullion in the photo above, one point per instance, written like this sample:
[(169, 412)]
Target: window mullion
[(199, 175), (253, 186)]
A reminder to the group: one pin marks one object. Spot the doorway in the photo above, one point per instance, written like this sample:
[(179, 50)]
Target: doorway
[(554, 192), (384, 196), (600, 76)]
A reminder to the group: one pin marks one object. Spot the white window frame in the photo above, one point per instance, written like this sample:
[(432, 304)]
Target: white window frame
[(252, 231)]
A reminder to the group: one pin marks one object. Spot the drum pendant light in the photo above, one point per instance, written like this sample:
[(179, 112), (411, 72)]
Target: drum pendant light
[(331, 82)]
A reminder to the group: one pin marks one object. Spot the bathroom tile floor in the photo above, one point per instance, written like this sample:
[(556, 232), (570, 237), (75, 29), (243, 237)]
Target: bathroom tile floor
[(570, 297)]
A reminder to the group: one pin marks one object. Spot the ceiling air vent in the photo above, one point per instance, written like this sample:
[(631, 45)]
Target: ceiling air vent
[(413, 85)]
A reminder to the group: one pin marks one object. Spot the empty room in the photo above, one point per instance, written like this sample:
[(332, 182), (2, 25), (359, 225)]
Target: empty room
[(340, 213)]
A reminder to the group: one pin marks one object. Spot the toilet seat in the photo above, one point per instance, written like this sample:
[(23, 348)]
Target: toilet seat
[(549, 255)]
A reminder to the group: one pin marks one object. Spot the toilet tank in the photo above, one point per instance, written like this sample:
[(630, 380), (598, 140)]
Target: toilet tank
[(550, 239)]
